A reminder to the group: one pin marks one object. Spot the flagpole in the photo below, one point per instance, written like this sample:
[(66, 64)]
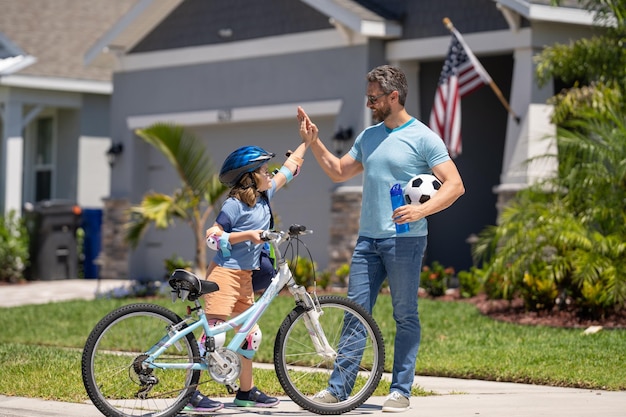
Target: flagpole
[(448, 23)]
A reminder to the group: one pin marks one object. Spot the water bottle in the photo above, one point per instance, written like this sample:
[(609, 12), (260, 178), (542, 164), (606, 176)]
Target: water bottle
[(397, 200)]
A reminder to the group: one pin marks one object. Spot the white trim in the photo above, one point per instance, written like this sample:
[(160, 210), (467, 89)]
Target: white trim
[(13, 173), (356, 17), (263, 47), (436, 48), (541, 12), (15, 63), (94, 172), (57, 84), (349, 189), (236, 115), (561, 15)]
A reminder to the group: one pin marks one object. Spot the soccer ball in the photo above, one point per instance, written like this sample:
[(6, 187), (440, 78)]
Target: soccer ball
[(421, 188)]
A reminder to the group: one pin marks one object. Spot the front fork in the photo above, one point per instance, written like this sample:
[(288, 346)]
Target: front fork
[(313, 311)]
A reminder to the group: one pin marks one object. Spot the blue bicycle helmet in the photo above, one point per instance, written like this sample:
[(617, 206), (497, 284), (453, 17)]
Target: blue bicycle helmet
[(242, 160)]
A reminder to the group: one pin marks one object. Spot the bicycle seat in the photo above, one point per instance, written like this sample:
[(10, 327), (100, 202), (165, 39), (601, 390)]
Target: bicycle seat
[(186, 285)]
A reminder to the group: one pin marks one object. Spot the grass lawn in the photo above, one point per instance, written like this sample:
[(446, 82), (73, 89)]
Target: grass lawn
[(40, 348)]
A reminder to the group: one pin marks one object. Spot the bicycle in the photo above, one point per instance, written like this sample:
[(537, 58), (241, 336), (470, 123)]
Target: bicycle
[(144, 360)]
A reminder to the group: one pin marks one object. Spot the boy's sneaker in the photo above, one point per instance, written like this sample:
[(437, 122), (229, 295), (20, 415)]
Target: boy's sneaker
[(324, 396), (200, 404), (254, 398), (396, 403)]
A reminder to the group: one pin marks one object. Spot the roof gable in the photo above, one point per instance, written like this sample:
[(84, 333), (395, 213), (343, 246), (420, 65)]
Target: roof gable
[(236, 20), (55, 34)]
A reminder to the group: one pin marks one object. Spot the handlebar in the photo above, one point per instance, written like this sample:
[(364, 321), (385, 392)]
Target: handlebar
[(267, 235), (294, 230)]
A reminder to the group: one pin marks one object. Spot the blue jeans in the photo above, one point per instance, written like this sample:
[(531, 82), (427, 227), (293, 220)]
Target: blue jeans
[(374, 260)]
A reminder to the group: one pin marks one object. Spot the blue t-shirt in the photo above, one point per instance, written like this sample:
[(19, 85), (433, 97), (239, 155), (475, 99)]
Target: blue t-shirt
[(390, 157), (237, 216)]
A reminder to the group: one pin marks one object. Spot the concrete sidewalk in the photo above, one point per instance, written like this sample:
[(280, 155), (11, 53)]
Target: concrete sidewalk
[(42, 292), (456, 397)]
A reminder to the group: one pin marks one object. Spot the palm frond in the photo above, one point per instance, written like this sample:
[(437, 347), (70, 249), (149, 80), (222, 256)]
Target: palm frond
[(183, 151)]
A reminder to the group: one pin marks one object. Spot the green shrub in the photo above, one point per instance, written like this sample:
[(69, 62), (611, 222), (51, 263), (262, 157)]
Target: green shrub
[(434, 279), (323, 279), (565, 237), (539, 291), (14, 255), (176, 262), (303, 270), (469, 282), (493, 284), (342, 273), (594, 299)]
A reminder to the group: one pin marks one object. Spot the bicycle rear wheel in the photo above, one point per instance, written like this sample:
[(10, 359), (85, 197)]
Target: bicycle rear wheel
[(111, 364), (360, 360)]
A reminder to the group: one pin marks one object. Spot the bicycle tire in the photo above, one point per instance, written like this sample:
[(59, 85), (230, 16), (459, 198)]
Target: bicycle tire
[(118, 342), (295, 356)]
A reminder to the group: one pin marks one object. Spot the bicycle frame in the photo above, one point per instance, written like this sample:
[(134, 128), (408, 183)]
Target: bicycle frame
[(245, 321)]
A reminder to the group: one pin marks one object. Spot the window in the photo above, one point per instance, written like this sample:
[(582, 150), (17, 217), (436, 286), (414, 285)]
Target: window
[(43, 159)]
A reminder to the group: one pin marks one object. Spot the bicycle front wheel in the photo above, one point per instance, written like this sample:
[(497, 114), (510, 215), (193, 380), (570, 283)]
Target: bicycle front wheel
[(112, 370), (357, 368)]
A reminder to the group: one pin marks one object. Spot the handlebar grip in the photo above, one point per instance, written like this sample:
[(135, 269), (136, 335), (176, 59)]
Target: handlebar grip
[(296, 229)]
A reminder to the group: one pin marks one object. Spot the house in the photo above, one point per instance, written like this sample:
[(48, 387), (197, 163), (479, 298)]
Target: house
[(55, 110), (233, 73)]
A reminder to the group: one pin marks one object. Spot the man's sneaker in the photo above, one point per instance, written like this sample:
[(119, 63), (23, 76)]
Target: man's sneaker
[(324, 396), (254, 398), (199, 404), (396, 403)]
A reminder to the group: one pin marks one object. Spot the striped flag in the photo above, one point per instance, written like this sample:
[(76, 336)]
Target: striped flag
[(461, 75)]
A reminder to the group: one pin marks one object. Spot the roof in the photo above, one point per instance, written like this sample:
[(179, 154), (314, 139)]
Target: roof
[(48, 38)]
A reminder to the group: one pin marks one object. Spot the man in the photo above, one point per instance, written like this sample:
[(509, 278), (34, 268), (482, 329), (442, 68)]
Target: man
[(393, 151)]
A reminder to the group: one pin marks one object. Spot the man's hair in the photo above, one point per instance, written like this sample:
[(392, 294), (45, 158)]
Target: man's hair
[(390, 79)]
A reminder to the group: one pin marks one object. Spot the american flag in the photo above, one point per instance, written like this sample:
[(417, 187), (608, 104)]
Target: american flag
[(461, 75)]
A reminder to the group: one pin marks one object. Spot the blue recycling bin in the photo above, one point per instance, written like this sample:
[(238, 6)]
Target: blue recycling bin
[(92, 227)]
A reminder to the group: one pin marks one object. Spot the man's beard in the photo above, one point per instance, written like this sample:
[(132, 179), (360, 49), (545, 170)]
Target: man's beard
[(379, 115)]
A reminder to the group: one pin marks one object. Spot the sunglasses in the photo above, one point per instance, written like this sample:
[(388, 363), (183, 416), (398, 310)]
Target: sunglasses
[(374, 99)]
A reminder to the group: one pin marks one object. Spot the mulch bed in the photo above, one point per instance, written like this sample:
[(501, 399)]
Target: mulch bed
[(514, 312)]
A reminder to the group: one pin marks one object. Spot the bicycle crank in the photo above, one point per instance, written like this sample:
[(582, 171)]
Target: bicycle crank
[(224, 367)]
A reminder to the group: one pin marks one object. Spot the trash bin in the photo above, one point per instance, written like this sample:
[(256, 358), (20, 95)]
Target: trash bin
[(52, 227), (91, 222)]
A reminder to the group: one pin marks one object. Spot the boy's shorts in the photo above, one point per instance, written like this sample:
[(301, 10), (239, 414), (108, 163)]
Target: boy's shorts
[(235, 294)]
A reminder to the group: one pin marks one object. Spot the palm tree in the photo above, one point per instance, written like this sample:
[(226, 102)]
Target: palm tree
[(193, 202), (572, 241)]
